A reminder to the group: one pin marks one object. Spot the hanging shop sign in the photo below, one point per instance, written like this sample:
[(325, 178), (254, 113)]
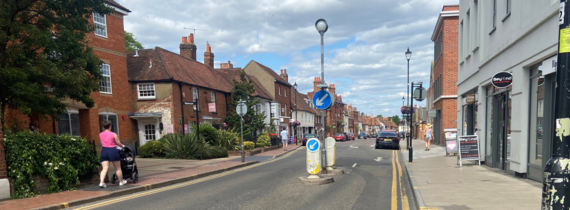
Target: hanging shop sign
[(468, 148), (470, 99), (502, 79), (540, 80)]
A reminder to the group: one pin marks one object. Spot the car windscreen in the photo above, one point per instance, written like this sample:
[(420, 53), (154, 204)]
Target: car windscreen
[(338, 134), (387, 134)]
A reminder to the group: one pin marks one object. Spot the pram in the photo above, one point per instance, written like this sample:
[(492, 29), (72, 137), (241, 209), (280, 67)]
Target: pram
[(128, 164)]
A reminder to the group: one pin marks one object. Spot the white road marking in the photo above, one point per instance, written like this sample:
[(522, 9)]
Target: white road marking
[(372, 145), (378, 159), (353, 147), (354, 165)]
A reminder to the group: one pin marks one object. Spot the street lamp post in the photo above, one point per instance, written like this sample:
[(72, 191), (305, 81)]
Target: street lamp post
[(322, 27), (296, 114), (408, 56), (403, 99)]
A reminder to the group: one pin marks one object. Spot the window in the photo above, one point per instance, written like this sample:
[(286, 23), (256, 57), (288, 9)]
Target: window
[(438, 46), (149, 132), (105, 83), (279, 90), (69, 123), (100, 24), (494, 24), (508, 7), (460, 44), (146, 91), (285, 92), (110, 117), (467, 40), (475, 25), (213, 96), (195, 97)]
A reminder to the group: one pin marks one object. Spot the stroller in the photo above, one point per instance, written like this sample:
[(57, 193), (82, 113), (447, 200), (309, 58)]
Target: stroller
[(128, 164)]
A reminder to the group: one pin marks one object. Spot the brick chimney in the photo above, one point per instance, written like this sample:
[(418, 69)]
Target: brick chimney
[(331, 89), (209, 56), (315, 83), (284, 75), (227, 65), (188, 48)]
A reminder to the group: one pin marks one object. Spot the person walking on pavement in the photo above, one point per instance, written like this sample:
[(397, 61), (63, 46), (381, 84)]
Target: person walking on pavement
[(284, 138), (428, 137), (110, 153)]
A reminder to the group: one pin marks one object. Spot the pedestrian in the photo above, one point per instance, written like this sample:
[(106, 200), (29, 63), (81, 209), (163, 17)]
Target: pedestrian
[(284, 138), (429, 137), (110, 153)]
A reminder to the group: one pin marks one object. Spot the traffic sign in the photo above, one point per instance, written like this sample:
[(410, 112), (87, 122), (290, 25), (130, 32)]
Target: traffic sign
[(313, 145), (241, 108), (420, 94), (313, 156), (323, 99)]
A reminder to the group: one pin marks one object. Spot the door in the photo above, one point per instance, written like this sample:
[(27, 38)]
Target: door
[(502, 138), (147, 131)]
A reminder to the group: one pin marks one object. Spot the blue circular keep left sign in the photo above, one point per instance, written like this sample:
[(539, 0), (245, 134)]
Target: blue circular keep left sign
[(313, 145)]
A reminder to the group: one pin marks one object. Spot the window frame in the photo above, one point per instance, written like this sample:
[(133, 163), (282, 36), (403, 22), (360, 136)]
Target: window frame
[(195, 96), (106, 114), (279, 90), (494, 19), (213, 97), (105, 76), (507, 9), (95, 23), (146, 97), (70, 124)]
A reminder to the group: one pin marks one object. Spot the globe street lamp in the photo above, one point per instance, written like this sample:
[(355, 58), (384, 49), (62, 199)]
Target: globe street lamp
[(322, 27), (408, 56), (296, 114)]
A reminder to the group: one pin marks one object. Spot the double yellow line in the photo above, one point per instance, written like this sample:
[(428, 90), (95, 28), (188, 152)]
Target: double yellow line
[(150, 192), (397, 181)]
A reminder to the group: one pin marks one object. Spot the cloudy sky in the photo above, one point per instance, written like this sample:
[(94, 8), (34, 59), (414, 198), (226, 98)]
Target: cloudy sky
[(364, 45)]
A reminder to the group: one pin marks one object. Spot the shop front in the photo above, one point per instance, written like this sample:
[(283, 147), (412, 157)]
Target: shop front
[(498, 135)]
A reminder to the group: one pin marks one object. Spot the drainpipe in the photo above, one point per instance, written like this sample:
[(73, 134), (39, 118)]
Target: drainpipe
[(181, 105)]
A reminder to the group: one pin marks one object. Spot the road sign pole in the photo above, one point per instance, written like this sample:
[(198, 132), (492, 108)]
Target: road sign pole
[(411, 152), (242, 149)]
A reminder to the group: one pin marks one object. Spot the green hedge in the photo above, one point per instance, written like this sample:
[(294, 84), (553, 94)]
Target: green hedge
[(248, 145), (62, 159), (152, 149)]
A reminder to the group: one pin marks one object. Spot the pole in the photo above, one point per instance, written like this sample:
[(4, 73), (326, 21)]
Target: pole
[(242, 149), (408, 140), (197, 119), (323, 153), (297, 119), (557, 170), (411, 152)]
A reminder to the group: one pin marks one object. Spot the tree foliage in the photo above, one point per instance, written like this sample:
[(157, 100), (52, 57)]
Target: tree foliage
[(396, 119), (253, 120), (45, 56), (379, 116), (131, 42)]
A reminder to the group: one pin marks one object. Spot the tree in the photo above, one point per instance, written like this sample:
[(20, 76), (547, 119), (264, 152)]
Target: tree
[(131, 42), (379, 116), (45, 56), (396, 119), (253, 120)]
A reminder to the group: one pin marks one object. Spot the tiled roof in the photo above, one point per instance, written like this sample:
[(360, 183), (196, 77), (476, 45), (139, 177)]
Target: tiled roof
[(229, 75), (302, 105), (167, 65), (114, 3), (273, 73)]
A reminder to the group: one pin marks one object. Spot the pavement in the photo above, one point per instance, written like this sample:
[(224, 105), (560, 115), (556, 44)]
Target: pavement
[(439, 183), (153, 173), (373, 179)]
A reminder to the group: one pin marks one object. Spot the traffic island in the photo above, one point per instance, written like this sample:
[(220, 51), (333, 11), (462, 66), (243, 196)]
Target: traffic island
[(335, 171), (316, 180)]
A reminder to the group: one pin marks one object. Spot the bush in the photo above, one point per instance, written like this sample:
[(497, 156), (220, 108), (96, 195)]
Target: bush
[(215, 152), (62, 159), (267, 144), (259, 145), (248, 145), (209, 134), (229, 139), (152, 149), (263, 138), (181, 146)]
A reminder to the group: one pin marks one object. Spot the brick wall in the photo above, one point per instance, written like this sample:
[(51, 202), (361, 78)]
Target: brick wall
[(285, 101)]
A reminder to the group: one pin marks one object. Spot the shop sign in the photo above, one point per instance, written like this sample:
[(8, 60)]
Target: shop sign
[(468, 148), (212, 107), (502, 79), (540, 80), (432, 113), (470, 99)]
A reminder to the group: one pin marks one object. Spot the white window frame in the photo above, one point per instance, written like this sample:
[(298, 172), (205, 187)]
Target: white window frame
[(106, 114), (106, 76), (146, 97), (95, 23), (213, 97), (195, 96), (279, 90), (285, 92)]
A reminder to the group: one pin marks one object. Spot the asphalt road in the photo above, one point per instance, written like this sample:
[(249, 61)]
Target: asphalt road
[(373, 180)]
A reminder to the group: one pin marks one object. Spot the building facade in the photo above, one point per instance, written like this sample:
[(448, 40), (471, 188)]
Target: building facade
[(514, 124)]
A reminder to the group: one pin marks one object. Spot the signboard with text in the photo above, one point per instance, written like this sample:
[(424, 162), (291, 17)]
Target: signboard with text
[(502, 79), (468, 148), (450, 135), (212, 107)]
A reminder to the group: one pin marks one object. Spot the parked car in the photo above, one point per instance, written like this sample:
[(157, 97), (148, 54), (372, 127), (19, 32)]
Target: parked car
[(308, 136), (362, 136), (388, 138), (346, 137), (374, 135), (339, 137), (351, 135)]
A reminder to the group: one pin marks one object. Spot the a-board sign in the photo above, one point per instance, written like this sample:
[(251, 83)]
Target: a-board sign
[(450, 135), (502, 79), (468, 148)]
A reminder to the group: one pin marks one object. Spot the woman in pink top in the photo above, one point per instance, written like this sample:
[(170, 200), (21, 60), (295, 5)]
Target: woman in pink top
[(109, 153)]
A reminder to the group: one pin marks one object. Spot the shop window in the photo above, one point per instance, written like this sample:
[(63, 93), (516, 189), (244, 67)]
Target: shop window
[(110, 117), (69, 123), (536, 117)]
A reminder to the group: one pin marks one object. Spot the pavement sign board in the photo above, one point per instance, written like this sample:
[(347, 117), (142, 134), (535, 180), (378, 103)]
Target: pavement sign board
[(450, 141), (323, 99), (468, 148), (313, 156)]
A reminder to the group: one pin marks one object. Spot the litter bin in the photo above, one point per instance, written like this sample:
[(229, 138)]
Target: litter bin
[(290, 140)]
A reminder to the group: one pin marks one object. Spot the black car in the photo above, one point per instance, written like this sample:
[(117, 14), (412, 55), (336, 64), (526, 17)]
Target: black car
[(307, 137), (373, 135), (362, 136), (388, 139)]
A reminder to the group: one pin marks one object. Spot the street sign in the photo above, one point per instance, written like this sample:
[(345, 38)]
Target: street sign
[(331, 150), (188, 103), (323, 99), (420, 94), (241, 108), (313, 156), (432, 113)]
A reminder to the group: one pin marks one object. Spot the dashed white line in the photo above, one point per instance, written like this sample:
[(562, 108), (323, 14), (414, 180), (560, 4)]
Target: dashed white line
[(354, 165)]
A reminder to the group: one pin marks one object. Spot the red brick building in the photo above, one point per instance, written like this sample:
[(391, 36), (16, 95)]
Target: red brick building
[(443, 80), (112, 101)]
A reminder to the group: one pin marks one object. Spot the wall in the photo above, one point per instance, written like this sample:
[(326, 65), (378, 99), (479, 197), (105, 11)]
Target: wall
[(283, 100), (266, 80), (162, 104)]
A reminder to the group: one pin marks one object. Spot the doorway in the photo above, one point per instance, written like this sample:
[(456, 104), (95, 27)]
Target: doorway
[(501, 142)]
